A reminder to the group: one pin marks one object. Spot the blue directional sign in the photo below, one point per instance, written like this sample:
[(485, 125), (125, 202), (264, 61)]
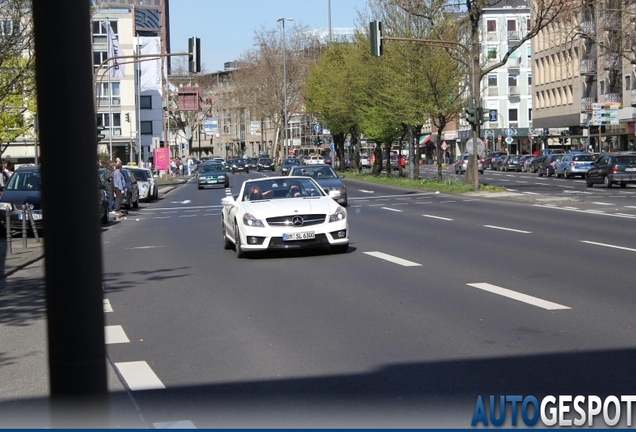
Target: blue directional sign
[(317, 128), (509, 132), (492, 115), (331, 147)]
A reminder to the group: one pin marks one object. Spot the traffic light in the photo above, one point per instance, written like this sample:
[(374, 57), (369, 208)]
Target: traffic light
[(375, 33), (471, 114), (128, 117), (483, 115), (100, 135), (194, 55)]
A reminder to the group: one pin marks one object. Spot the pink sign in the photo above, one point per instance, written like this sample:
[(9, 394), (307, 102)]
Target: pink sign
[(162, 158)]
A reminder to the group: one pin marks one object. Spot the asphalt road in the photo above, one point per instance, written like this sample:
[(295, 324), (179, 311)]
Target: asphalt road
[(440, 298), (493, 298)]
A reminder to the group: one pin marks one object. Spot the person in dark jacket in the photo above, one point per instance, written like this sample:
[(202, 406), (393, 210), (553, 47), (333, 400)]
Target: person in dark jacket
[(109, 185)]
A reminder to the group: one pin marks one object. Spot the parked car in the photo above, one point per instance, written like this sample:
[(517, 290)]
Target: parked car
[(536, 162), (326, 177), (23, 188), (524, 163), (490, 156), (496, 161), (212, 174), (509, 163), (131, 191), (548, 165), (462, 163), (573, 164), (314, 160), (327, 159), (610, 169), (365, 162), (287, 164), (239, 164), (144, 182), (265, 164), (311, 219)]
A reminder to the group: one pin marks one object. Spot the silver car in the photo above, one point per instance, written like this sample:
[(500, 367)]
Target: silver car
[(462, 164)]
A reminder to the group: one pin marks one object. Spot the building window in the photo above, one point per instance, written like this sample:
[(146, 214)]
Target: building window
[(99, 32), (146, 127), (601, 85), (529, 51), (145, 102), (492, 80), (6, 27), (628, 82), (492, 53), (111, 123), (108, 94), (529, 79), (491, 25), (512, 80), (98, 58), (513, 115), (528, 25), (529, 114)]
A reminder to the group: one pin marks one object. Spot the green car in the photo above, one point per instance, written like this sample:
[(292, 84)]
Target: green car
[(212, 174)]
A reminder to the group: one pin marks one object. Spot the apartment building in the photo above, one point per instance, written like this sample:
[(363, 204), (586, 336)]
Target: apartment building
[(506, 92), (584, 94)]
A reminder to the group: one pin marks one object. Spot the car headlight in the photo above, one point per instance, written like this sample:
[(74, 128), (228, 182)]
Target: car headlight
[(221, 177), (144, 186), (250, 220), (234, 166), (340, 214), (6, 206), (343, 190)]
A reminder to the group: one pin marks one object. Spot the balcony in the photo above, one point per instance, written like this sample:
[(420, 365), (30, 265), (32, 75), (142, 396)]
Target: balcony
[(493, 91), (586, 104), (613, 97), (612, 61), (514, 63), (588, 67), (632, 95), (588, 28), (513, 91), (514, 36)]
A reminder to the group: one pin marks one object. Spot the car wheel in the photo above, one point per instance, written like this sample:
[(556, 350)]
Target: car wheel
[(342, 248), (237, 242), (566, 175), (623, 185), (481, 172), (557, 175), (607, 182), (540, 173), (247, 171), (227, 244), (106, 216), (200, 188), (589, 183), (136, 203)]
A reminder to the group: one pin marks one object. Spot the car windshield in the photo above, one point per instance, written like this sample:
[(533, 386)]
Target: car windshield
[(585, 157), (317, 172), (140, 175), (265, 161), (210, 167), (274, 189), (626, 160), (238, 161), (24, 181), (291, 162)]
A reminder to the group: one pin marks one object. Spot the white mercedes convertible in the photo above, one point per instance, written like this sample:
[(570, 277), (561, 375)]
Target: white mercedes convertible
[(283, 213)]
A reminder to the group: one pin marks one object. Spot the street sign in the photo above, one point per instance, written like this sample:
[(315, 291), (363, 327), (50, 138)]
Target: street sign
[(470, 147), (332, 147), (317, 128), (509, 140), (509, 132)]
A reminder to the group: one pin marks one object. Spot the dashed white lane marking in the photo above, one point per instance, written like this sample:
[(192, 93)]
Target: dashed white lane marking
[(535, 301), (161, 217), (146, 247), (187, 216), (166, 212), (401, 204), (437, 217), (634, 207), (392, 209), (424, 202), (393, 259), (442, 202), (115, 334), (192, 211), (211, 214), (375, 205), (565, 186), (608, 245), (602, 203), (508, 229), (139, 376), (542, 184), (595, 212), (365, 191), (531, 193), (180, 424), (107, 306)]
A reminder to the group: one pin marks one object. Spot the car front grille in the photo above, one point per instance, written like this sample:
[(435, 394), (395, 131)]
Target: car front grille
[(278, 243), (286, 221)]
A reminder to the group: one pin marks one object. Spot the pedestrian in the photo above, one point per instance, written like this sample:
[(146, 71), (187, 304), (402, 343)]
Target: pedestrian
[(190, 165), (119, 185), (173, 166), (183, 164), (109, 184), (7, 171)]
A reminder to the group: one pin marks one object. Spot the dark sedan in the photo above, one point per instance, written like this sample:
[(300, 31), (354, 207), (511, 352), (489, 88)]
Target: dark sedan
[(496, 161), (288, 164), (536, 163), (265, 164), (509, 163), (612, 168), (212, 175), (548, 165), (23, 189), (130, 198), (240, 164), (325, 177)]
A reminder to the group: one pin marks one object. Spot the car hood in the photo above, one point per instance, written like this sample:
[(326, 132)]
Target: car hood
[(290, 206), (327, 184), (212, 173), (22, 197)]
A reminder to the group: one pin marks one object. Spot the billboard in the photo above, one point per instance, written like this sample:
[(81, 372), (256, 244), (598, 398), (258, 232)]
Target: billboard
[(161, 156)]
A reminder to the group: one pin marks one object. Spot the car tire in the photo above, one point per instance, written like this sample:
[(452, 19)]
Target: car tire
[(623, 185), (258, 170), (227, 244), (481, 172), (237, 242), (247, 171), (607, 183), (339, 249), (199, 187), (105, 219), (136, 203), (557, 175), (566, 175), (540, 173), (588, 183)]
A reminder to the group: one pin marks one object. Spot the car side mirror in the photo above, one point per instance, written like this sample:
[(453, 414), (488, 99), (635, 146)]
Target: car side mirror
[(334, 194), (227, 201), (342, 176)]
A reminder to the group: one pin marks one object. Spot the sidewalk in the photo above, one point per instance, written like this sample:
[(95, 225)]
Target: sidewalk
[(20, 257)]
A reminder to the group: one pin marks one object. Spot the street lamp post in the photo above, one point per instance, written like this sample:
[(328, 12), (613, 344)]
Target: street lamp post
[(282, 21)]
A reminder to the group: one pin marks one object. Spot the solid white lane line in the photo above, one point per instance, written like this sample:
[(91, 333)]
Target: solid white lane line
[(393, 259), (602, 203), (115, 334), (437, 217), (609, 245), (594, 212), (107, 306), (535, 301), (512, 190), (508, 229), (180, 424), (392, 209), (139, 376)]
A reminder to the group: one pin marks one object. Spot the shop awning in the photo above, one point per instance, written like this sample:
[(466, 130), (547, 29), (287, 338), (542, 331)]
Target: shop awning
[(425, 139)]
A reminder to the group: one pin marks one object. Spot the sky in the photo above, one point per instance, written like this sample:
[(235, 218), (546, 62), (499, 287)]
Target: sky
[(226, 27)]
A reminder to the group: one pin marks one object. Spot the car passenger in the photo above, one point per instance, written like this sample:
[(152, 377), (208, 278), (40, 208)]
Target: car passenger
[(295, 190), (255, 193)]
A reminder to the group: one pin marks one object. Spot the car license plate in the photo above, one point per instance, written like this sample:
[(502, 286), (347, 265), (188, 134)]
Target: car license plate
[(630, 169), (36, 216), (307, 235)]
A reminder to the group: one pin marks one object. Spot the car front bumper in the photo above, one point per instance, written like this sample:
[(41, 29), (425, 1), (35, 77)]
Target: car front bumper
[(16, 219), (327, 234)]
